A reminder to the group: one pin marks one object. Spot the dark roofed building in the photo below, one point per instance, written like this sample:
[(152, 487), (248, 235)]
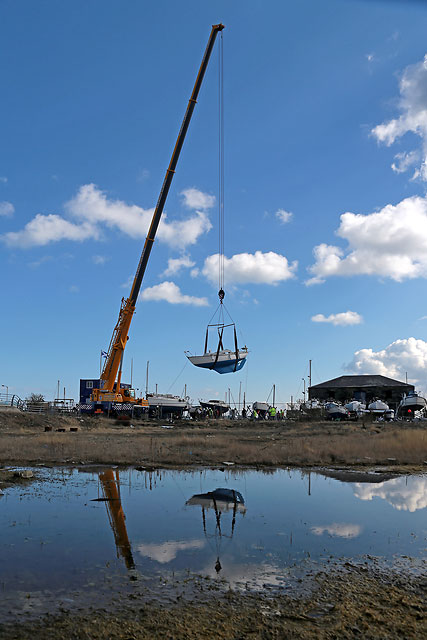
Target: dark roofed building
[(363, 388)]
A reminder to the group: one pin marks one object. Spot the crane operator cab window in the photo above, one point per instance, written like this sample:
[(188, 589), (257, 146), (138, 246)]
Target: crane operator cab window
[(128, 393)]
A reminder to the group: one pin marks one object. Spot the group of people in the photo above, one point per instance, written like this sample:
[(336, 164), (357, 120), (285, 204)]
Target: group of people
[(271, 414), (247, 413)]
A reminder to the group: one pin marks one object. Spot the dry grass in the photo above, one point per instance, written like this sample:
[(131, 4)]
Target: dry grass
[(271, 444)]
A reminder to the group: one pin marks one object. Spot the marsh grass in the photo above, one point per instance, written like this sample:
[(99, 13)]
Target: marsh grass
[(214, 443)]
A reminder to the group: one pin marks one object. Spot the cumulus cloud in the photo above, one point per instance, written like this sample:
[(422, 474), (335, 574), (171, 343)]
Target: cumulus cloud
[(391, 243), (338, 530), (343, 319), (92, 204), (284, 216), (6, 209), (257, 268), (170, 292), (196, 199), (407, 355), (175, 265), (165, 552), (91, 212), (413, 112), (43, 230), (404, 494)]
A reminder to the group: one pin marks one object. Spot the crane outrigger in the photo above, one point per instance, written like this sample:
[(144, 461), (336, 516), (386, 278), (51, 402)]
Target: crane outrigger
[(110, 381)]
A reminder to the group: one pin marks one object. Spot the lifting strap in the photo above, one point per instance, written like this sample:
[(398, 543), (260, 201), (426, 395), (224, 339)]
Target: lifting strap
[(206, 339), (220, 347), (236, 348)]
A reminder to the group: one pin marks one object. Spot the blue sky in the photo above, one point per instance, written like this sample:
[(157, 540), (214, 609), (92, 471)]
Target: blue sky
[(325, 115)]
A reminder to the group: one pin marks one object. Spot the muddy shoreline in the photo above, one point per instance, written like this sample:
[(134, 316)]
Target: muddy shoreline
[(346, 603)]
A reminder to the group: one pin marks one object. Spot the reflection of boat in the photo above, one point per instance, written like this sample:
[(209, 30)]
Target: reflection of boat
[(110, 484), (410, 403), (166, 402), (216, 405), (378, 406), (220, 501), (224, 361)]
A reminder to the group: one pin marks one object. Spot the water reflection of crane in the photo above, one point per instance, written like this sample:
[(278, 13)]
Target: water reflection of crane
[(221, 501), (110, 484)]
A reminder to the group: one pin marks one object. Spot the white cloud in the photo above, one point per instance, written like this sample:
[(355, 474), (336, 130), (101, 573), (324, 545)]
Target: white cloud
[(74, 288), (413, 108), (196, 199), (404, 160), (344, 319), (93, 210), (391, 243), (404, 494), (284, 216), (3, 179), (92, 204), (338, 530), (99, 260), (165, 552), (403, 356), (43, 230), (176, 264), (6, 209), (170, 292), (258, 268)]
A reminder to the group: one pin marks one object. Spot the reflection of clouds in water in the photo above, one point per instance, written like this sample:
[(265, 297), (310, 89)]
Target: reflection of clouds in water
[(404, 494), (167, 551), (338, 529), (256, 575)]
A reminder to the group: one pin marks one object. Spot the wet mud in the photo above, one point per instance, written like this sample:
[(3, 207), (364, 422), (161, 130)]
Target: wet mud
[(349, 603)]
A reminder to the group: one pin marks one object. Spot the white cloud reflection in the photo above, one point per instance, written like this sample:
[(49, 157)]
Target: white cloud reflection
[(404, 494), (338, 530), (167, 551)]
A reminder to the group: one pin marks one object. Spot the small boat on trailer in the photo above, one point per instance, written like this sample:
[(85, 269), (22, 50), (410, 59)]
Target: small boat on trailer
[(335, 411), (378, 407), (218, 406), (166, 403), (411, 403)]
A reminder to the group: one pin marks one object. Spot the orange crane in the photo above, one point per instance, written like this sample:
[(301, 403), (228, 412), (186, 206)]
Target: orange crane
[(110, 385), (111, 490)]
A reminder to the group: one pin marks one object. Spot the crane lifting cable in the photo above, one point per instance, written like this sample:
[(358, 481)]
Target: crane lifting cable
[(220, 359)]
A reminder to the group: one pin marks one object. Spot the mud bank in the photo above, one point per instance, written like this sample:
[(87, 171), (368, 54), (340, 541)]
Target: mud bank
[(352, 602)]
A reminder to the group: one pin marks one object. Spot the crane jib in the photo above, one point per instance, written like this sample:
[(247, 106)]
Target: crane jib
[(171, 169), (120, 333)]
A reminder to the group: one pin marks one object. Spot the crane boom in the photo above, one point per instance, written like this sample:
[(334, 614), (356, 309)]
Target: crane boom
[(112, 365)]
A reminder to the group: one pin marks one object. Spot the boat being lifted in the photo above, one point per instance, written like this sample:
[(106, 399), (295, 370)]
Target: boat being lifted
[(222, 360)]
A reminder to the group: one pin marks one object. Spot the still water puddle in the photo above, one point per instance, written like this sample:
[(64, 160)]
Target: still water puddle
[(77, 537)]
